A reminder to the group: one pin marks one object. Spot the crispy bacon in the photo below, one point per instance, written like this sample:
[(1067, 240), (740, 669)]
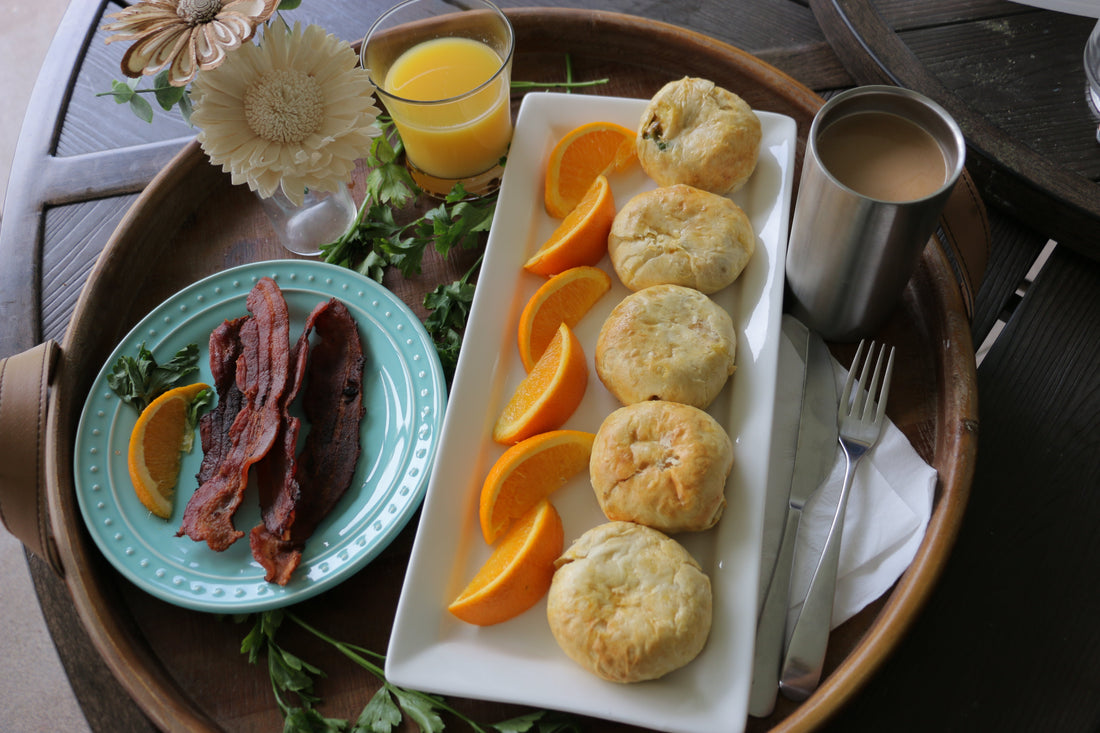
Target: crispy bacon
[(275, 473), (322, 473), (225, 348), (262, 374)]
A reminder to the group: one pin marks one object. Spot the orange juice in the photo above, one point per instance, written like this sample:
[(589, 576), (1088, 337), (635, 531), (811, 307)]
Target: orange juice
[(451, 133)]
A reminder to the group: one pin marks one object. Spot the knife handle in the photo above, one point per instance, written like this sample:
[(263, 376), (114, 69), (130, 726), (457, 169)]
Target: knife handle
[(772, 623), (805, 655)]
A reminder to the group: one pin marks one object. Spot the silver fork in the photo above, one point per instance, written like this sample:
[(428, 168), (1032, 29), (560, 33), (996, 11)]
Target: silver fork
[(860, 426)]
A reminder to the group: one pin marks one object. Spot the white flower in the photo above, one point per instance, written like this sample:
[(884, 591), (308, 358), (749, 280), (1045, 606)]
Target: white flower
[(295, 110)]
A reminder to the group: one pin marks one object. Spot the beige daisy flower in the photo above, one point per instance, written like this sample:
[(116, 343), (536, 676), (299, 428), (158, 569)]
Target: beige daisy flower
[(295, 110), (184, 35)]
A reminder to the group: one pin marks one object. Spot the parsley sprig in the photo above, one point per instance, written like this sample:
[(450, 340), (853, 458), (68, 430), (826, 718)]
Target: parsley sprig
[(384, 234), (140, 380), (384, 712)]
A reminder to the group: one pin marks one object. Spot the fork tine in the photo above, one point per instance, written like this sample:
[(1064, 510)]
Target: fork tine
[(846, 394), (872, 388), (863, 394), (885, 387)]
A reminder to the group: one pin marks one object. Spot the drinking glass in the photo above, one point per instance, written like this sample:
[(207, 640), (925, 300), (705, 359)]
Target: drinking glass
[(444, 76)]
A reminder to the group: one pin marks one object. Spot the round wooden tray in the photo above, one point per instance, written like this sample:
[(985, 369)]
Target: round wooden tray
[(185, 669)]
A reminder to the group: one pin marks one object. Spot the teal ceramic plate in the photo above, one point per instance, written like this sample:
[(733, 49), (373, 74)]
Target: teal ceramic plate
[(404, 396)]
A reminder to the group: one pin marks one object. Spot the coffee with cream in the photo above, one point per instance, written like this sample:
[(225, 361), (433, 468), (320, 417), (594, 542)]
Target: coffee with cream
[(882, 156), (881, 163)]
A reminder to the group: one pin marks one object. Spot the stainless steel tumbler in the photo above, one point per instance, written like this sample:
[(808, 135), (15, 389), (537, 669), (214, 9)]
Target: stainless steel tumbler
[(851, 254)]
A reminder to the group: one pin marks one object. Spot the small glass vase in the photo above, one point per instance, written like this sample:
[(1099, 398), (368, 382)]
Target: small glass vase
[(322, 218)]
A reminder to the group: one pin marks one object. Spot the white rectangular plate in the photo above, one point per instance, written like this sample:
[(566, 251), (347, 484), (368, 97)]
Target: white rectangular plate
[(519, 661)]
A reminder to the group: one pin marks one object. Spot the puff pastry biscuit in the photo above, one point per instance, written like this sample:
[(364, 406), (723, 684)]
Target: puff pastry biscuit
[(629, 603), (666, 342), (695, 132), (681, 235), (661, 464)]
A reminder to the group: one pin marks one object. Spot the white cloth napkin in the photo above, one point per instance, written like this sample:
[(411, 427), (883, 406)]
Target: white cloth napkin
[(888, 508)]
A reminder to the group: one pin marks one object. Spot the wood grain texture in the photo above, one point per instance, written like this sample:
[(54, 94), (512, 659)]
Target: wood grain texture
[(78, 232), (907, 15), (1014, 84), (97, 123)]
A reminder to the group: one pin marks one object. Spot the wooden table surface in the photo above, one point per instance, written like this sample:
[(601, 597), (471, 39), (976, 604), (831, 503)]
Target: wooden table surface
[(1008, 639)]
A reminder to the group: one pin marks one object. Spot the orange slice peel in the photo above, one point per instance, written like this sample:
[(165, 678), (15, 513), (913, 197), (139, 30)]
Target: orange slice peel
[(527, 473), (549, 394), (582, 154), (564, 298), (518, 572), (157, 443), (581, 237)]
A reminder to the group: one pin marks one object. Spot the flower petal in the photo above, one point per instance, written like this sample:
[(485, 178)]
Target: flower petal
[(184, 66), (209, 52), (256, 10), (324, 159), (153, 52), (137, 20)]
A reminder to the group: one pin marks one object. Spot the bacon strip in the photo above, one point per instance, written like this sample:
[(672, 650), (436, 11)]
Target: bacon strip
[(225, 349), (322, 473), (262, 375), (278, 487)]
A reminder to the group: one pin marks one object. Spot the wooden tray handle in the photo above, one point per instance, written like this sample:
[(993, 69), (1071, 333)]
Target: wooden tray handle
[(24, 386)]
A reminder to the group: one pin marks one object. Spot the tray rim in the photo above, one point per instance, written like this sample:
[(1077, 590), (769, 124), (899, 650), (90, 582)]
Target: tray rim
[(121, 643)]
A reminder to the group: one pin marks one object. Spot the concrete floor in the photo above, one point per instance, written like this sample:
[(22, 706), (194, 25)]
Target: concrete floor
[(35, 696)]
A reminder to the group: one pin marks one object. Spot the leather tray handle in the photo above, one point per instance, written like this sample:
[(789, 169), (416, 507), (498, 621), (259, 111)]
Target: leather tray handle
[(24, 386), (965, 238)]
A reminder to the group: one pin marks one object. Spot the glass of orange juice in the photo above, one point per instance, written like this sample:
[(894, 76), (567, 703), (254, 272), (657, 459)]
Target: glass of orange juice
[(444, 76)]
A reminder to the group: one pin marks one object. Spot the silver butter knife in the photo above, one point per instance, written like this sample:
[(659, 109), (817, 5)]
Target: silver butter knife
[(815, 454)]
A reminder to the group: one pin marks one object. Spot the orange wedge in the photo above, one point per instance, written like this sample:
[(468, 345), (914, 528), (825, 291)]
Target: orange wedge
[(564, 298), (529, 472), (518, 573), (593, 149), (157, 443), (549, 394), (581, 238)]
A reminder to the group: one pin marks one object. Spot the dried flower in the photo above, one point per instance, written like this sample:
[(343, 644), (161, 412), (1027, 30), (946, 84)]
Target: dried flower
[(295, 110), (185, 35)]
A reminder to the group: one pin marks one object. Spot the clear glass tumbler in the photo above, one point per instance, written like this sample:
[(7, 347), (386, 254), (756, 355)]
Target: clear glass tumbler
[(443, 72)]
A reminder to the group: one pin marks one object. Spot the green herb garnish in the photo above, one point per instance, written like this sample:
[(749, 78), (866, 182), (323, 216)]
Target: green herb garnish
[(450, 307), (385, 711), (381, 237), (195, 408), (139, 381)]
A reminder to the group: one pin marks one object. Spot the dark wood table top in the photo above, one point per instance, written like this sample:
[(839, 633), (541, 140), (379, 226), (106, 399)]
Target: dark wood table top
[(1007, 640)]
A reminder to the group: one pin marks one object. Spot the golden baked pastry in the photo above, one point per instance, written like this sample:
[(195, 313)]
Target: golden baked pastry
[(698, 133), (661, 464), (682, 235), (666, 342), (629, 603)]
